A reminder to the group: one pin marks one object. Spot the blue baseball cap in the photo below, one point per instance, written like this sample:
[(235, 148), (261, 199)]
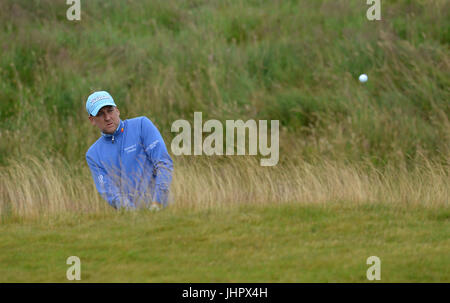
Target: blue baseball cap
[(97, 100)]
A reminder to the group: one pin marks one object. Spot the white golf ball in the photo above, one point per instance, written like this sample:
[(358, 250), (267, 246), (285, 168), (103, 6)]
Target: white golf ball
[(363, 78)]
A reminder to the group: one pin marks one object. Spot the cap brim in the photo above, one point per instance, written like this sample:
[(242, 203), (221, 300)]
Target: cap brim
[(96, 110)]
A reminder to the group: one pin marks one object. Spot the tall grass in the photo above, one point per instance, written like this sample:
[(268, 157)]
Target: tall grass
[(42, 188), (240, 181), (34, 187), (296, 61)]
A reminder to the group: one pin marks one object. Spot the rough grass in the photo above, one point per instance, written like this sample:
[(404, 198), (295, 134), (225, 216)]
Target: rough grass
[(35, 187), (364, 169), (296, 61)]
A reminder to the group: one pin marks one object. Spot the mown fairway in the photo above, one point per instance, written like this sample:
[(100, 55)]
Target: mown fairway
[(289, 243)]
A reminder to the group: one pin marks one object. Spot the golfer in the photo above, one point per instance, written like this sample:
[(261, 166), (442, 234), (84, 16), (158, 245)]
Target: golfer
[(130, 164)]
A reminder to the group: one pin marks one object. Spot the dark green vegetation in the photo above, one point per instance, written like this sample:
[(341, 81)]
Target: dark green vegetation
[(296, 61)]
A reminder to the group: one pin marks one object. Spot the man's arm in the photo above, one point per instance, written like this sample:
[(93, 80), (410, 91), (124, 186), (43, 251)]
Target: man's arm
[(156, 151), (104, 184)]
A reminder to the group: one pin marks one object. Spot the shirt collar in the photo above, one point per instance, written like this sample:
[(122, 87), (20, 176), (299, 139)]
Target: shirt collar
[(115, 132)]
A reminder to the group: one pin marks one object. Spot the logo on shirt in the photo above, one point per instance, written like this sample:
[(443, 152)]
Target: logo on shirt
[(130, 148), (152, 145)]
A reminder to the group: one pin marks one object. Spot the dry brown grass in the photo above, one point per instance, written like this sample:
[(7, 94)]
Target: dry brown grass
[(33, 188), (242, 180)]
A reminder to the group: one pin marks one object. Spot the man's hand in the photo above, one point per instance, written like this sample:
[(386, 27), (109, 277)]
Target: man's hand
[(154, 207)]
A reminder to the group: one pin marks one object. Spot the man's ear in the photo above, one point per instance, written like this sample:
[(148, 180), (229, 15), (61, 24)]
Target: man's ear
[(118, 111), (91, 119)]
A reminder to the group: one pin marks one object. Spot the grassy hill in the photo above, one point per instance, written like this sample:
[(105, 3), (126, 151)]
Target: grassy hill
[(363, 170), (296, 61)]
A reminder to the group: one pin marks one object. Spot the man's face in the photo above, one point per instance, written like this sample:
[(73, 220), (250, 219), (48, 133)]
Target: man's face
[(107, 119)]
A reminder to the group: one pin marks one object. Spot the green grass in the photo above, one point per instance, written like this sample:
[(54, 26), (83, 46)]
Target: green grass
[(272, 243), (297, 61)]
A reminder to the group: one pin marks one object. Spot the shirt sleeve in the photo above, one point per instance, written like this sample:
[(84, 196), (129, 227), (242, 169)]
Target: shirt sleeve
[(156, 151), (104, 184)]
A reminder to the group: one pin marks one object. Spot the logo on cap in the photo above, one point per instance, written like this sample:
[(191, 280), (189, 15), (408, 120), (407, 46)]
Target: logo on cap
[(97, 100)]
